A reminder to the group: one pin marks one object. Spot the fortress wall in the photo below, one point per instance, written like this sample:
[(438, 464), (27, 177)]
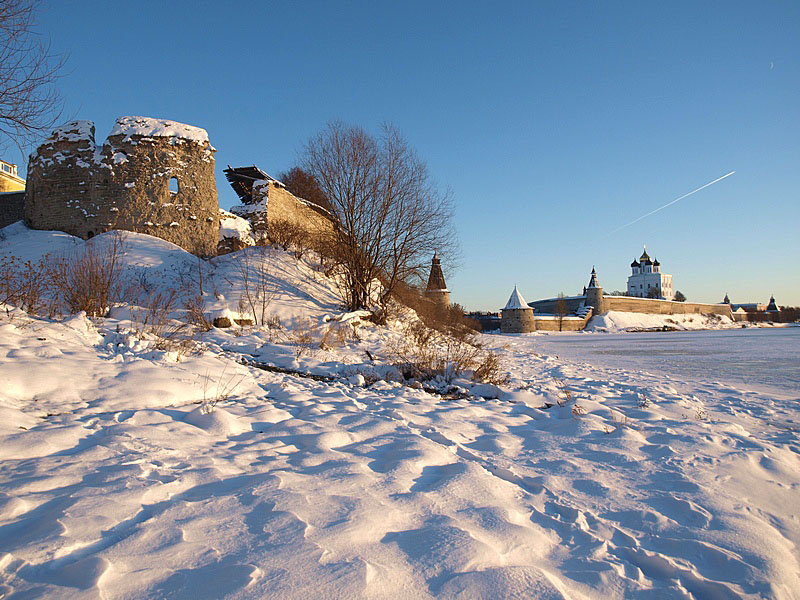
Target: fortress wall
[(549, 323), (639, 305), (549, 307), (282, 205), (12, 207), (75, 187), (662, 307)]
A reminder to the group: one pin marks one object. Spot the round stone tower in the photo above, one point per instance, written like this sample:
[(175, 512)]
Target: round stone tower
[(594, 295), (436, 290), (150, 176), (517, 316)]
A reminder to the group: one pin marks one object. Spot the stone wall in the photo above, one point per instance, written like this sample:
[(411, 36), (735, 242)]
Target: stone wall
[(12, 207), (663, 307), (76, 187), (639, 305), (282, 205), (550, 323), (549, 306), (272, 203)]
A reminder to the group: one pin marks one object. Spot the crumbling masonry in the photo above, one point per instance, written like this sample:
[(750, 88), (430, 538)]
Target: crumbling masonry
[(150, 176)]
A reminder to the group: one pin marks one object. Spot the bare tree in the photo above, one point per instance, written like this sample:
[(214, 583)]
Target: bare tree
[(304, 185), (561, 310), (258, 285), (29, 102), (390, 215), (654, 292), (679, 297)]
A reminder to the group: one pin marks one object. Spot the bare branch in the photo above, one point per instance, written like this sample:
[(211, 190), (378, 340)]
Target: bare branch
[(29, 102)]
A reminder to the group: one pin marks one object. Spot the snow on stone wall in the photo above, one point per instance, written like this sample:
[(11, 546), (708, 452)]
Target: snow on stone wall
[(150, 127)]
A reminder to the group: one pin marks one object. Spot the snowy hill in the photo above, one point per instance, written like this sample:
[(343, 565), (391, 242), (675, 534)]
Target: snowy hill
[(132, 469)]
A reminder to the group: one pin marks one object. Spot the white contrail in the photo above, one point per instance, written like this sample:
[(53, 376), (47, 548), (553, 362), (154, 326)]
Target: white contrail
[(652, 212)]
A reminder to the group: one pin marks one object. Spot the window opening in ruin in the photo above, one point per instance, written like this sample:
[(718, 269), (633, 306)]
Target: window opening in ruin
[(173, 185), (90, 235)]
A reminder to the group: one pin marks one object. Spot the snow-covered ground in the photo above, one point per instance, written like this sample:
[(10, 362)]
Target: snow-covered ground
[(119, 479)]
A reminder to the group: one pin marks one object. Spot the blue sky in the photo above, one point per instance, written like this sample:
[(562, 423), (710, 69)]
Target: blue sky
[(552, 123)]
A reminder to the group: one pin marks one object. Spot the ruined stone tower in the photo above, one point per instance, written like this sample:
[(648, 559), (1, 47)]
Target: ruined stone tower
[(517, 316), (150, 176), (436, 289), (594, 294)]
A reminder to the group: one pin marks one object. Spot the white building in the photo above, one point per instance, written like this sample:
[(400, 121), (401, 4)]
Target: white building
[(646, 277)]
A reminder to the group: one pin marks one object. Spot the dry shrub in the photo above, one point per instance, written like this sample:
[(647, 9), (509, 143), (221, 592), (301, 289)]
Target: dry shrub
[(91, 280), (424, 353), (619, 422), (153, 315), (301, 335), (449, 319), (195, 313), (335, 336), (564, 392), (223, 391), (489, 369), (258, 287), (288, 235), (27, 285)]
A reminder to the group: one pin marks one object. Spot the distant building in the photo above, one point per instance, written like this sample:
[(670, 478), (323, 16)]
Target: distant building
[(647, 280), (12, 194), (749, 307), (10, 181), (488, 321), (772, 307)]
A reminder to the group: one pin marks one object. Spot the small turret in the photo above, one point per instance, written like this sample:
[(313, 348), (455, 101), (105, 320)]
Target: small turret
[(517, 316), (772, 306), (594, 294), (436, 290), (726, 300)]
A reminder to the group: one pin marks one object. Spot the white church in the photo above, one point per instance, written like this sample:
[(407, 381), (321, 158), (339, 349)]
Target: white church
[(646, 275)]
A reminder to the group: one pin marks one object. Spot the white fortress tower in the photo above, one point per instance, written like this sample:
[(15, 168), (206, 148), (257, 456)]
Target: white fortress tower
[(646, 276)]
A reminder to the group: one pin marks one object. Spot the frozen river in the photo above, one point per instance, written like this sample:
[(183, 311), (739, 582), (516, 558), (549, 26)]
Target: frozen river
[(763, 358)]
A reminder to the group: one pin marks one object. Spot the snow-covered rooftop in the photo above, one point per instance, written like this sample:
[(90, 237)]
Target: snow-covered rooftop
[(516, 301), (150, 127)]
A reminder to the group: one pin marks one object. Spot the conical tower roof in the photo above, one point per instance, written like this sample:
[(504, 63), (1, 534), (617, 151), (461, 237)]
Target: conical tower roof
[(593, 280), (516, 301), (772, 306), (436, 277)]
